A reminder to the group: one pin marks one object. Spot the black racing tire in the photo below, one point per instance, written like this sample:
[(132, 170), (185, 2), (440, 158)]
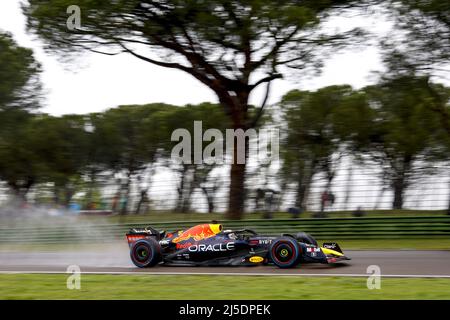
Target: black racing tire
[(145, 253), (285, 252), (306, 238)]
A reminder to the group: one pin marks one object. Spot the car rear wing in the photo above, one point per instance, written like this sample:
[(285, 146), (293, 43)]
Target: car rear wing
[(136, 234), (133, 237)]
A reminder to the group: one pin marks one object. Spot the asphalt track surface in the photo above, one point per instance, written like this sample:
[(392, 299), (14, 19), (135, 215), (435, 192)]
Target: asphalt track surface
[(115, 260)]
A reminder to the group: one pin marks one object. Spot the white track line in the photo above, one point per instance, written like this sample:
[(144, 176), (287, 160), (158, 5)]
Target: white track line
[(233, 274)]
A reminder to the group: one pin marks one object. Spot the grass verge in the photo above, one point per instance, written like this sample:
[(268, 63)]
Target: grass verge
[(37, 286)]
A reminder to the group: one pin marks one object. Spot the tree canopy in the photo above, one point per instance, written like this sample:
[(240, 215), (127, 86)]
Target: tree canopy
[(421, 41), (232, 47), (405, 134), (19, 92), (19, 75), (313, 135)]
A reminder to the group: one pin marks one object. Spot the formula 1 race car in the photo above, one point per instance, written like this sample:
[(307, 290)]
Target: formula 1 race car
[(210, 245)]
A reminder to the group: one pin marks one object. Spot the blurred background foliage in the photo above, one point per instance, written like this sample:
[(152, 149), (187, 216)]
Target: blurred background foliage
[(401, 124)]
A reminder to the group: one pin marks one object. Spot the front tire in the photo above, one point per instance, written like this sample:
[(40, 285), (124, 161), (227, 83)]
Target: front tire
[(145, 253), (285, 252)]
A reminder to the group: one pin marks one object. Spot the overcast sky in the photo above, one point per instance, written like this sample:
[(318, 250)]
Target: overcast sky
[(97, 82)]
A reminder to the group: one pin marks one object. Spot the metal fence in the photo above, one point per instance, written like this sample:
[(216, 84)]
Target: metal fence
[(353, 186)]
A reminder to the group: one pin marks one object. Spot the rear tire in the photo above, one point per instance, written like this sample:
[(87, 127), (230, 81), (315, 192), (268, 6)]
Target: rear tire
[(145, 253), (285, 252)]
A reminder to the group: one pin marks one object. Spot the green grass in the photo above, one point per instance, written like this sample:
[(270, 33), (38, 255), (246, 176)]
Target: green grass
[(38, 286)]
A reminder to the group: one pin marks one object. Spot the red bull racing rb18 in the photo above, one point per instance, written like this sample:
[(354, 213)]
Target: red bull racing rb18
[(210, 245)]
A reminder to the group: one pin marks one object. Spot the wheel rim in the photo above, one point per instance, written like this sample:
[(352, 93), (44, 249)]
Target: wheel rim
[(284, 252), (142, 253)]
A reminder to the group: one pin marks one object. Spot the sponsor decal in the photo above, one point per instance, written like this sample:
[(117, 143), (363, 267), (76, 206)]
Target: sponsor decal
[(312, 249), (256, 259), (212, 247), (200, 232), (260, 242), (183, 245), (135, 238)]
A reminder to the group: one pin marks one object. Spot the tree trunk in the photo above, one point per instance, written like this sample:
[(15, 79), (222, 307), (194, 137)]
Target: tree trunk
[(348, 187), (239, 116), (448, 209), (21, 190), (186, 206), (301, 192), (182, 190), (90, 192), (68, 195), (142, 200), (283, 188), (327, 198), (399, 187), (210, 206), (143, 191), (209, 198), (124, 209), (237, 191), (400, 182), (56, 196), (116, 201), (306, 174)]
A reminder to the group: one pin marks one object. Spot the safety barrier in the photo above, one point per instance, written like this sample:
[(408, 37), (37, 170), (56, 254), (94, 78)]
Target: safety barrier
[(325, 228)]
